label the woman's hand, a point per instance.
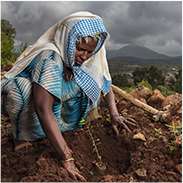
(69, 165)
(118, 120)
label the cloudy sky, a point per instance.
(156, 25)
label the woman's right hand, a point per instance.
(73, 171)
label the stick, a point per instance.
(157, 115)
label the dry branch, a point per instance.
(157, 115)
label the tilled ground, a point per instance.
(126, 159)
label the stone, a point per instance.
(139, 136)
(141, 172)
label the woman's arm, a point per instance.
(115, 116)
(43, 102)
(111, 103)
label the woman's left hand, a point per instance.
(118, 120)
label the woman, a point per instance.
(55, 83)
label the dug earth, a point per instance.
(154, 158)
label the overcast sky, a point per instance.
(156, 25)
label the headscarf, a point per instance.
(93, 75)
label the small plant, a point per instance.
(172, 148)
(145, 83)
(165, 90)
(158, 132)
(175, 130)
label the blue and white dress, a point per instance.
(70, 108)
(42, 63)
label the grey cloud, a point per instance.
(157, 25)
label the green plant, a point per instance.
(175, 129)
(158, 132)
(152, 74)
(165, 90)
(177, 86)
(172, 147)
(121, 80)
(145, 83)
(7, 42)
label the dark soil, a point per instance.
(123, 156)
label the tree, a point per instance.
(152, 74)
(121, 80)
(7, 42)
(155, 76)
(140, 74)
(178, 84)
(7, 28)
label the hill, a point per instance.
(134, 54)
(131, 56)
(137, 52)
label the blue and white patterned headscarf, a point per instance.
(83, 28)
(93, 75)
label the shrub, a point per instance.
(165, 90)
(145, 83)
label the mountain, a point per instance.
(137, 52)
(134, 54)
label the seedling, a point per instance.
(158, 132)
(175, 129)
(172, 147)
(99, 165)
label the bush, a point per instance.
(7, 43)
(121, 80)
(151, 74)
(145, 83)
(178, 84)
(165, 90)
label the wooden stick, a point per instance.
(157, 115)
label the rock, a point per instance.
(173, 107)
(172, 99)
(179, 168)
(178, 140)
(143, 100)
(131, 179)
(156, 99)
(108, 178)
(139, 136)
(141, 93)
(141, 172)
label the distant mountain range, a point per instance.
(134, 54)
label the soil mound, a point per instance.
(158, 158)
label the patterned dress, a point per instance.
(46, 69)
